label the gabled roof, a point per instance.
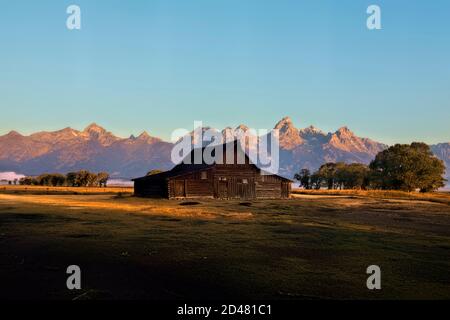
(178, 170)
(186, 168)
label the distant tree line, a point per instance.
(82, 178)
(400, 167)
(335, 176)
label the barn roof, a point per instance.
(183, 168)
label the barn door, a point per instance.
(223, 189)
(179, 190)
(245, 189)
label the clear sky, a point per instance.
(158, 65)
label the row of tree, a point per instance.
(335, 176)
(82, 178)
(400, 167)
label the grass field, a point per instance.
(18, 189)
(440, 197)
(309, 247)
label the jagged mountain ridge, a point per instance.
(442, 151)
(310, 147)
(94, 149)
(97, 149)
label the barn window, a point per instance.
(203, 175)
(244, 181)
(222, 179)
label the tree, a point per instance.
(51, 179)
(352, 176)
(27, 181)
(102, 179)
(316, 181)
(91, 179)
(57, 180)
(327, 173)
(82, 178)
(43, 180)
(304, 177)
(407, 167)
(71, 179)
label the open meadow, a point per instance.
(313, 246)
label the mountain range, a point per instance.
(97, 149)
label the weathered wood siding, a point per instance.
(243, 182)
(271, 187)
(235, 181)
(229, 182)
(285, 189)
(232, 187)
(192, 185)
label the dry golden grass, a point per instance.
(439, 197)
(123, 204)
(64, 190)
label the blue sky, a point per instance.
(160, 65)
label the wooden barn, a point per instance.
(229, 180)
